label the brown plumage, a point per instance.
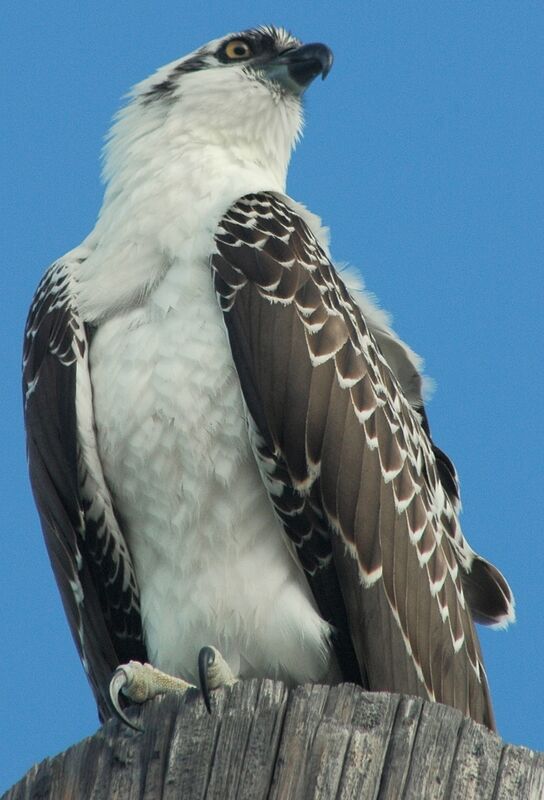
(368, 500)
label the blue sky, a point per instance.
(423, 154)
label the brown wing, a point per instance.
(88, 554)
(347, 463)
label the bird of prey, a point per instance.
(227, 442)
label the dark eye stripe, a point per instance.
(168, 86)
(262, 42)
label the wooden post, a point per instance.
(265, 741)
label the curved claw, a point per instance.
(206, 658)
(118, 682)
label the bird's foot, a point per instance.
(140, 682)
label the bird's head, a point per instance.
(242, 93)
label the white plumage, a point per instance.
(173, 443)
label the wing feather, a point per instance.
(368, 516)
(88, 554)
(368, 500)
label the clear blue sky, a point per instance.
(423, 153)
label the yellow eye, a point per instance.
(238, 49)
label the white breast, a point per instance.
(209, 554)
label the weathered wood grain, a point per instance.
(475, 764)
(520, 774)
(265, 741)
(400, 746)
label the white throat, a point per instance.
(172, 170)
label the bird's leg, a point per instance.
(140, 682)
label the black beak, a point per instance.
(295, 69)
(307, 62)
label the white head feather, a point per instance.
(194, 137)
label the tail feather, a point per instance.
(488, 594)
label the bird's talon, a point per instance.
(118, 683)
(206, 658)
(213, 672)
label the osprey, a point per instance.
(227, 441)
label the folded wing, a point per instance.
(363, 494)
(88, 553)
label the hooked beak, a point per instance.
(296, 69)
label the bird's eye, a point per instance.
(238, 49)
